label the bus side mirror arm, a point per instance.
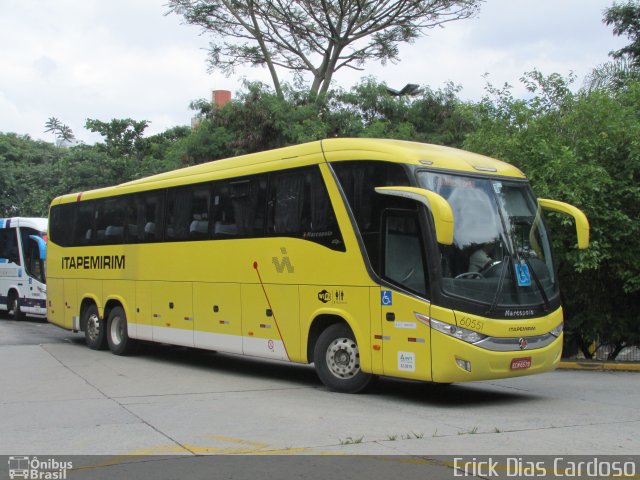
(439, 207)
(42, 246)
(582, 224)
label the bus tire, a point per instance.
(337, 360)
(14, 307)
(94, 329)
(117, 334)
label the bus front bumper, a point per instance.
(454, 360)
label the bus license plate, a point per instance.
(520, 363)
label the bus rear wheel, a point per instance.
(337, 360)
(94, 331)
(117, 334)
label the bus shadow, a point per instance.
(452, 395)
(421, 393)
(248, 367)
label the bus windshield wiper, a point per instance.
(533, 274)
(503, 273)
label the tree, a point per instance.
(63, 132)
(581, 148)
(625, 66)
(612, 75)
(122, 137)
(318, 37)
(625, 19)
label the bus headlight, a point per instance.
(557, 331)
(457, 332)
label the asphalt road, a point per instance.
(57, 397)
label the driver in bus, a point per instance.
(480, 259)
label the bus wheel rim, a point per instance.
(93, 327)
(343, 358)
(117, 328)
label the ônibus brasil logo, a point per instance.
(36, 469)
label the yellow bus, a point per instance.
(364, 257)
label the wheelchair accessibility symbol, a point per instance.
(385, 298)
(523, 275)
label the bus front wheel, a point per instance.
(337, 360)
(117, 334)
(14, 307)
(94, 331)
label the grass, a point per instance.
(351, 440)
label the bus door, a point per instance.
(172, 307)
(404, 316)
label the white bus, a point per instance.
(23, 248)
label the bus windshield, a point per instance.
(34, 248)
(501, 253)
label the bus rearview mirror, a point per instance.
(582, 224)
(42, 246)
(439, 207)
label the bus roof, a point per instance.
(39, 224)
(331, 150)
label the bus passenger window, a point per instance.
(61, 224)
(239, 207)
(110, 221)
(199, 226)
(299, 206)
(9, 245)
(148, 218)
(178, 214)
(84, 228)
(287, 202)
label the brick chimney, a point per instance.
(220, 97)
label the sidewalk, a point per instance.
(599, 365)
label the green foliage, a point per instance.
(625, 67)
(583, 149)
(625, 18)
(260, 119)
(122, 137)
(25, 179)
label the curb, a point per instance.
(599, 366)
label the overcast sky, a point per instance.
(104, 59)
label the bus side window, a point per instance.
(287, 202)
(9, 246)
(179, 202)
(61, 224)
(84, 232)
(148, 216)
(358, 180)
(299, 206)
(188, 213)
(403, 251)
(111, 221)
(224, 223)
(199, 224)
(239, 207)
